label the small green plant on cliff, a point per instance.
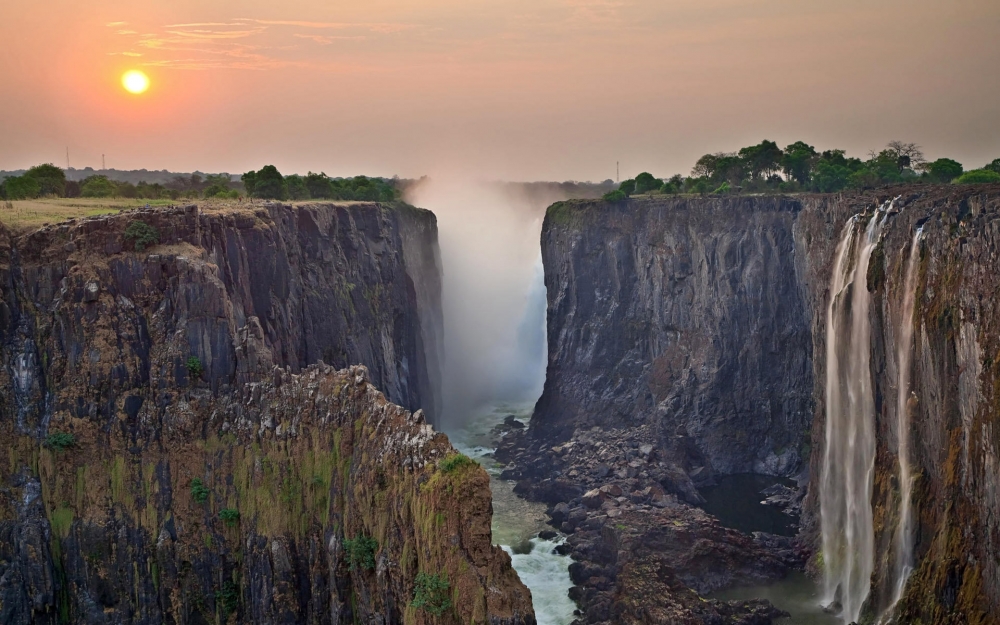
(431, 593)
(199, 492)
(194, 367)
(230, 516)
(455, 462)
(228, 598)
(141, 235)
(60, 441)
(360, 552)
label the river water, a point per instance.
(517, 522)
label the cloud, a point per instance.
(325, 40)
(113, 24)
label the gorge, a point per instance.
(241, 422)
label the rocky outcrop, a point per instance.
(176, 450)
(698, 326)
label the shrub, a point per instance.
(141, 234)
(60, 441)
(431, 593)
(228, 598)
(978, 176)
(230, 516)
(944, 169)
(194, 367)
(21, 188)
(361, 552)
(614, 196)
(723, 188)
(199, 492)
(627, 187)
(455, 462)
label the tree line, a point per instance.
(47, 180)
(268, 183)
(799, 167)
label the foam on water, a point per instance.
(517, 522)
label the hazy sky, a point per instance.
(519, 89)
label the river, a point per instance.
(517, 522)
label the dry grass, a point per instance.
(27, 214)
(23, 215)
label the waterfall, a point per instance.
(849, 457)
(904, 355)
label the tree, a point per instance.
(944, 169)
(296, 187)
(645, 182)
(319, 186)
(994, 166)
(21, 188)
(762, 160)
(908, 155)
(98, 186)
(797, 161)
(829, 177)
(267, 183)
(706, 165)
(51, 179)
(627, 187)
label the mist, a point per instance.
(493, 291)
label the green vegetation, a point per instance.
(615, 196)
(455, 462)
(228, 598)
(766, 168)
(60, 441)
(431, 593)
(194, 367)
(230, 516)
(141, 235)
(978, 176)
(199, 492)
(268, 183)
(360, 552)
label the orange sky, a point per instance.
(521, 89)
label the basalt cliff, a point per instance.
(688, 340)
(225, 425)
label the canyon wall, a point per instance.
(179, 449)
(699, 327)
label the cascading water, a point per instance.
(904, 355)
(849, 458)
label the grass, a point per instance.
(455, 462)
(29, 214)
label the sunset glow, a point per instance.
(135, 81)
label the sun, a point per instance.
(135, 81)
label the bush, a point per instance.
(723, 188)
(614, 196)
(431, 593)
(230, 516)
(228, 598)
(141, 234)
(627, 187)
(978, 176)
(455, 462)
(60, 441)
(194, 367)
(199, 492)
(361, 552)
(268, 183)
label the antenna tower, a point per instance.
(67, 157)
(103, 166)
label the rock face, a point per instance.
(687, 315)
(700, 324)
(175, 450)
